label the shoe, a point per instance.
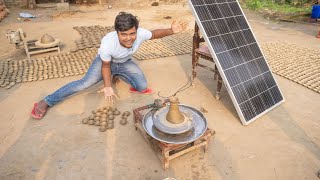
(33, 112)
(147, 91)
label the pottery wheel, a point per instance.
(198, 129)
(161, 123)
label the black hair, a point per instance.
(125, 21)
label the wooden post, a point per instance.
(31, 4)
(195, 45)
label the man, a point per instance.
(113, 59)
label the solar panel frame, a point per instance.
(242, 24)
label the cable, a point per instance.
(184, 87)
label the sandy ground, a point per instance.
(283, 144)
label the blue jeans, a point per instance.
(129, 71)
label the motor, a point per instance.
(14, 37)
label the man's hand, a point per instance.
(108, 94)
(177, 27)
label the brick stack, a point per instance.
(3, 10)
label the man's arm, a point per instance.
(159, 33)
(175, 28)
(106, 73)
(106, 76)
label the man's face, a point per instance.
(128, 37)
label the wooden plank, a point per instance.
(187, 150)
(33, 51)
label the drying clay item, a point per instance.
(94, 112)
(97, 123)
(91, 117)
(104, 111)
(127, 113)
(63, 65)
(111, 117)
(117, 113)
(123, 121)
(110, 126)
(110, 122)
(124, 117)
(85, 121)
(103, 123)
(96, 119)
(98, 114)
(104, 119)
(102, 128)
(110, 112)
(91, 122)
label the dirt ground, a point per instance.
(283, 144)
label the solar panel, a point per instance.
(238, 57)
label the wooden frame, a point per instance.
(204, 53)
(31, 48)
(167, 151)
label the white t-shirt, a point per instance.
(111, 49)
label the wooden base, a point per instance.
(167, 151)
(31, 48)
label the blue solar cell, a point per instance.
(225, 60)
(239, 38)
(232, 76)
(214, 11)
(225, 10)
(228, 41)
(210, 29)
(240, 93)
(221, 26)
(250, 88)
(247, 110)
(236, 57)
(243, 72)
(232, 24)
(204, 15)
(197, 2)
(218, 44)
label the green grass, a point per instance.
(277, 8)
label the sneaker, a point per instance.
(147, 91)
